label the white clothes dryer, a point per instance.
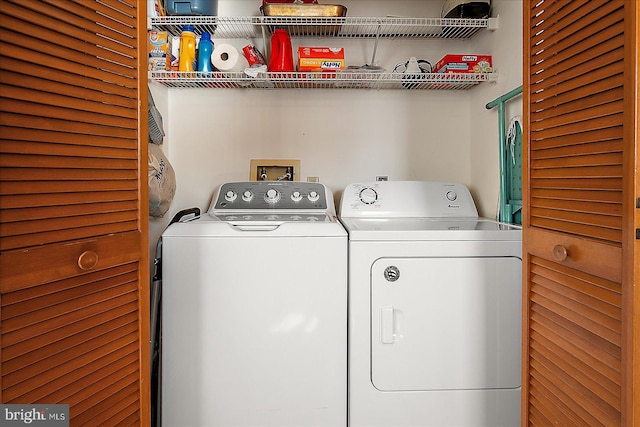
(434, 308)
(255, 311)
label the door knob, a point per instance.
(87, 260)
(560, 253)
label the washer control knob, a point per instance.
(230, 196)
(247, 196)
(272, 196)
(313, 196)
(368, 196)
(296, 196)
(452, 195)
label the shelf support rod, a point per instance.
(264, 40)
(375, 44)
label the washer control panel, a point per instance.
(419, 199)
(270, 195)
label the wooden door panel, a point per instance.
(44, 264)
(577, 103)
(71, 341)
(71, 80)
(582, 252)
(74, 304)
(575, 342)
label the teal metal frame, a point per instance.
(506, 207)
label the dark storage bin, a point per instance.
(192, 7)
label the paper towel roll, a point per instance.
(227, 58)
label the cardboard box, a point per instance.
(320, 58)
(159, 51)
(464, 64)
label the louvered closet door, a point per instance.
(73, 281)
(576, 106)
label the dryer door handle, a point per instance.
(386, 325)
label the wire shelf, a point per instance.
(332, 80)
(345, 27)
(348, 27)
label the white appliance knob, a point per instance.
(230, 196)
(272, 196)
(451, 195)
(313, 196)
(296, 196)
(368, 196)
(247, 196)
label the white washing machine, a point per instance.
(434, 308)
(255, 311)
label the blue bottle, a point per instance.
(205, 48)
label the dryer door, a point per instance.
(445, 323)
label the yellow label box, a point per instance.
(320, 58)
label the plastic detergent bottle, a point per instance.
(281, 53)
(205, 48)
(187, 49)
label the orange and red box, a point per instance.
(464, 64)
(159, 51)
(320, 59)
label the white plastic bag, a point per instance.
(162, 182)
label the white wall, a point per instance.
(344, 136)
(505, 45)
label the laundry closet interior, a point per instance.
(340, 132)
(344, 135)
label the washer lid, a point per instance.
(208, 226)
(412, 229)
